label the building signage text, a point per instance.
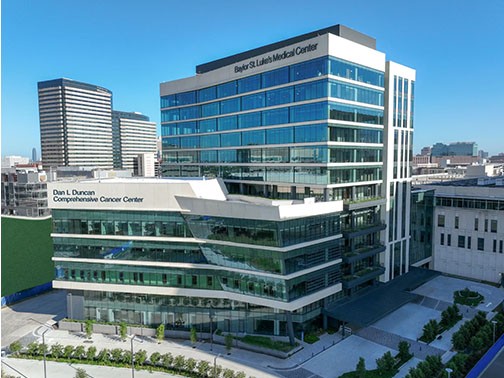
(75, 195)
(276, 57)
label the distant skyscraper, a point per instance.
(34, 154)
(426, 151)
(75, 124)
(455, 149)
(133, 135)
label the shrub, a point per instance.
(140, 357)
(155, 358)
(79, 352)
(123, 331)
(167, 360)
(68, 352)
(117, 354)
(33, 349)
(15, 347)
(190, 364)
(91, 353)
(311, 338)
(203, 368)
(179, 362)
(103, 356)
(80, 373)
(194, 336)
(160, 333)
(56, 350)
(361, 368)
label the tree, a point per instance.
(430, 330)
(240, 374)
(33, 349)
(194, 337)
(190, 364)
(68, 351)
(91, 353)
(88, 328)
(103, 356)
(43, 349)
(123, 331)
(361, 368)
(228, 340)
(141, 357)
(160, 333)
(15, 347)
(228, 373)
(404, 353)
(80, 373)
(167, 360)
(79, 352)
(385, 363)
(179, 362)
(203, 368)
(56, 350)
(116, 354)
(155, 358)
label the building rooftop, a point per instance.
(339, 30)
(487, 182)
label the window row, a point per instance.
(300, 113)
(296, 175)
(470, 203)
(466, 242)
(493, 223)
(300, 71)
(312, 154)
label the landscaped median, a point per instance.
(122, 358)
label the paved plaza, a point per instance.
(330, 357)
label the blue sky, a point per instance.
(130, 46)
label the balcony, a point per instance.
(362, 276)
(362, 253)
(364, 229)
(366, 202)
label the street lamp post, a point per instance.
(45, 351)
(449, 371)
(210, 315)
(133, 337)
(494, 322)
(215, 365)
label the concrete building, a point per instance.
(468, 229)
(321, 115)
(12, 161)
(24, 192)
(133, 135)
(187, 254)
(146, 165)
(75, 124)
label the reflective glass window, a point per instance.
(170, 115)
(355, 93)
(280, 96)
(208, 156)
(275, 77)
(355, 72)
(249, 120)
(186, 98)
(248, 84)
(275, 116)
(310, 133)
(189, 142)
(188, 157)
(208, 125)
(251, 138)
(230, 106)
(189, 112)
(312, 154)
(310, 175)
(171, 143)
(282, 174)
(276, 155)
(253, 101)
(187, 127)
(280, 136)
(227, 123)
(230, 139)
(226, 89)
(309, 91)
(207, 94)
(308, 112)
(355, 114)
(227, 156)
(309, 69)
(252, 155)
(210, 109)
(167, 101)
(210, 141)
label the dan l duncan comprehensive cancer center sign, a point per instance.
(75, 195)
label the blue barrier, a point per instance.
(20, 295)
(486, 359)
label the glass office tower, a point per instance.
(312, 116)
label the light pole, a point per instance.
(449, 371)
(494, 322)
(132, 337)
(43, 344)
(215, 365)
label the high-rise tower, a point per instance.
(75, 124)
